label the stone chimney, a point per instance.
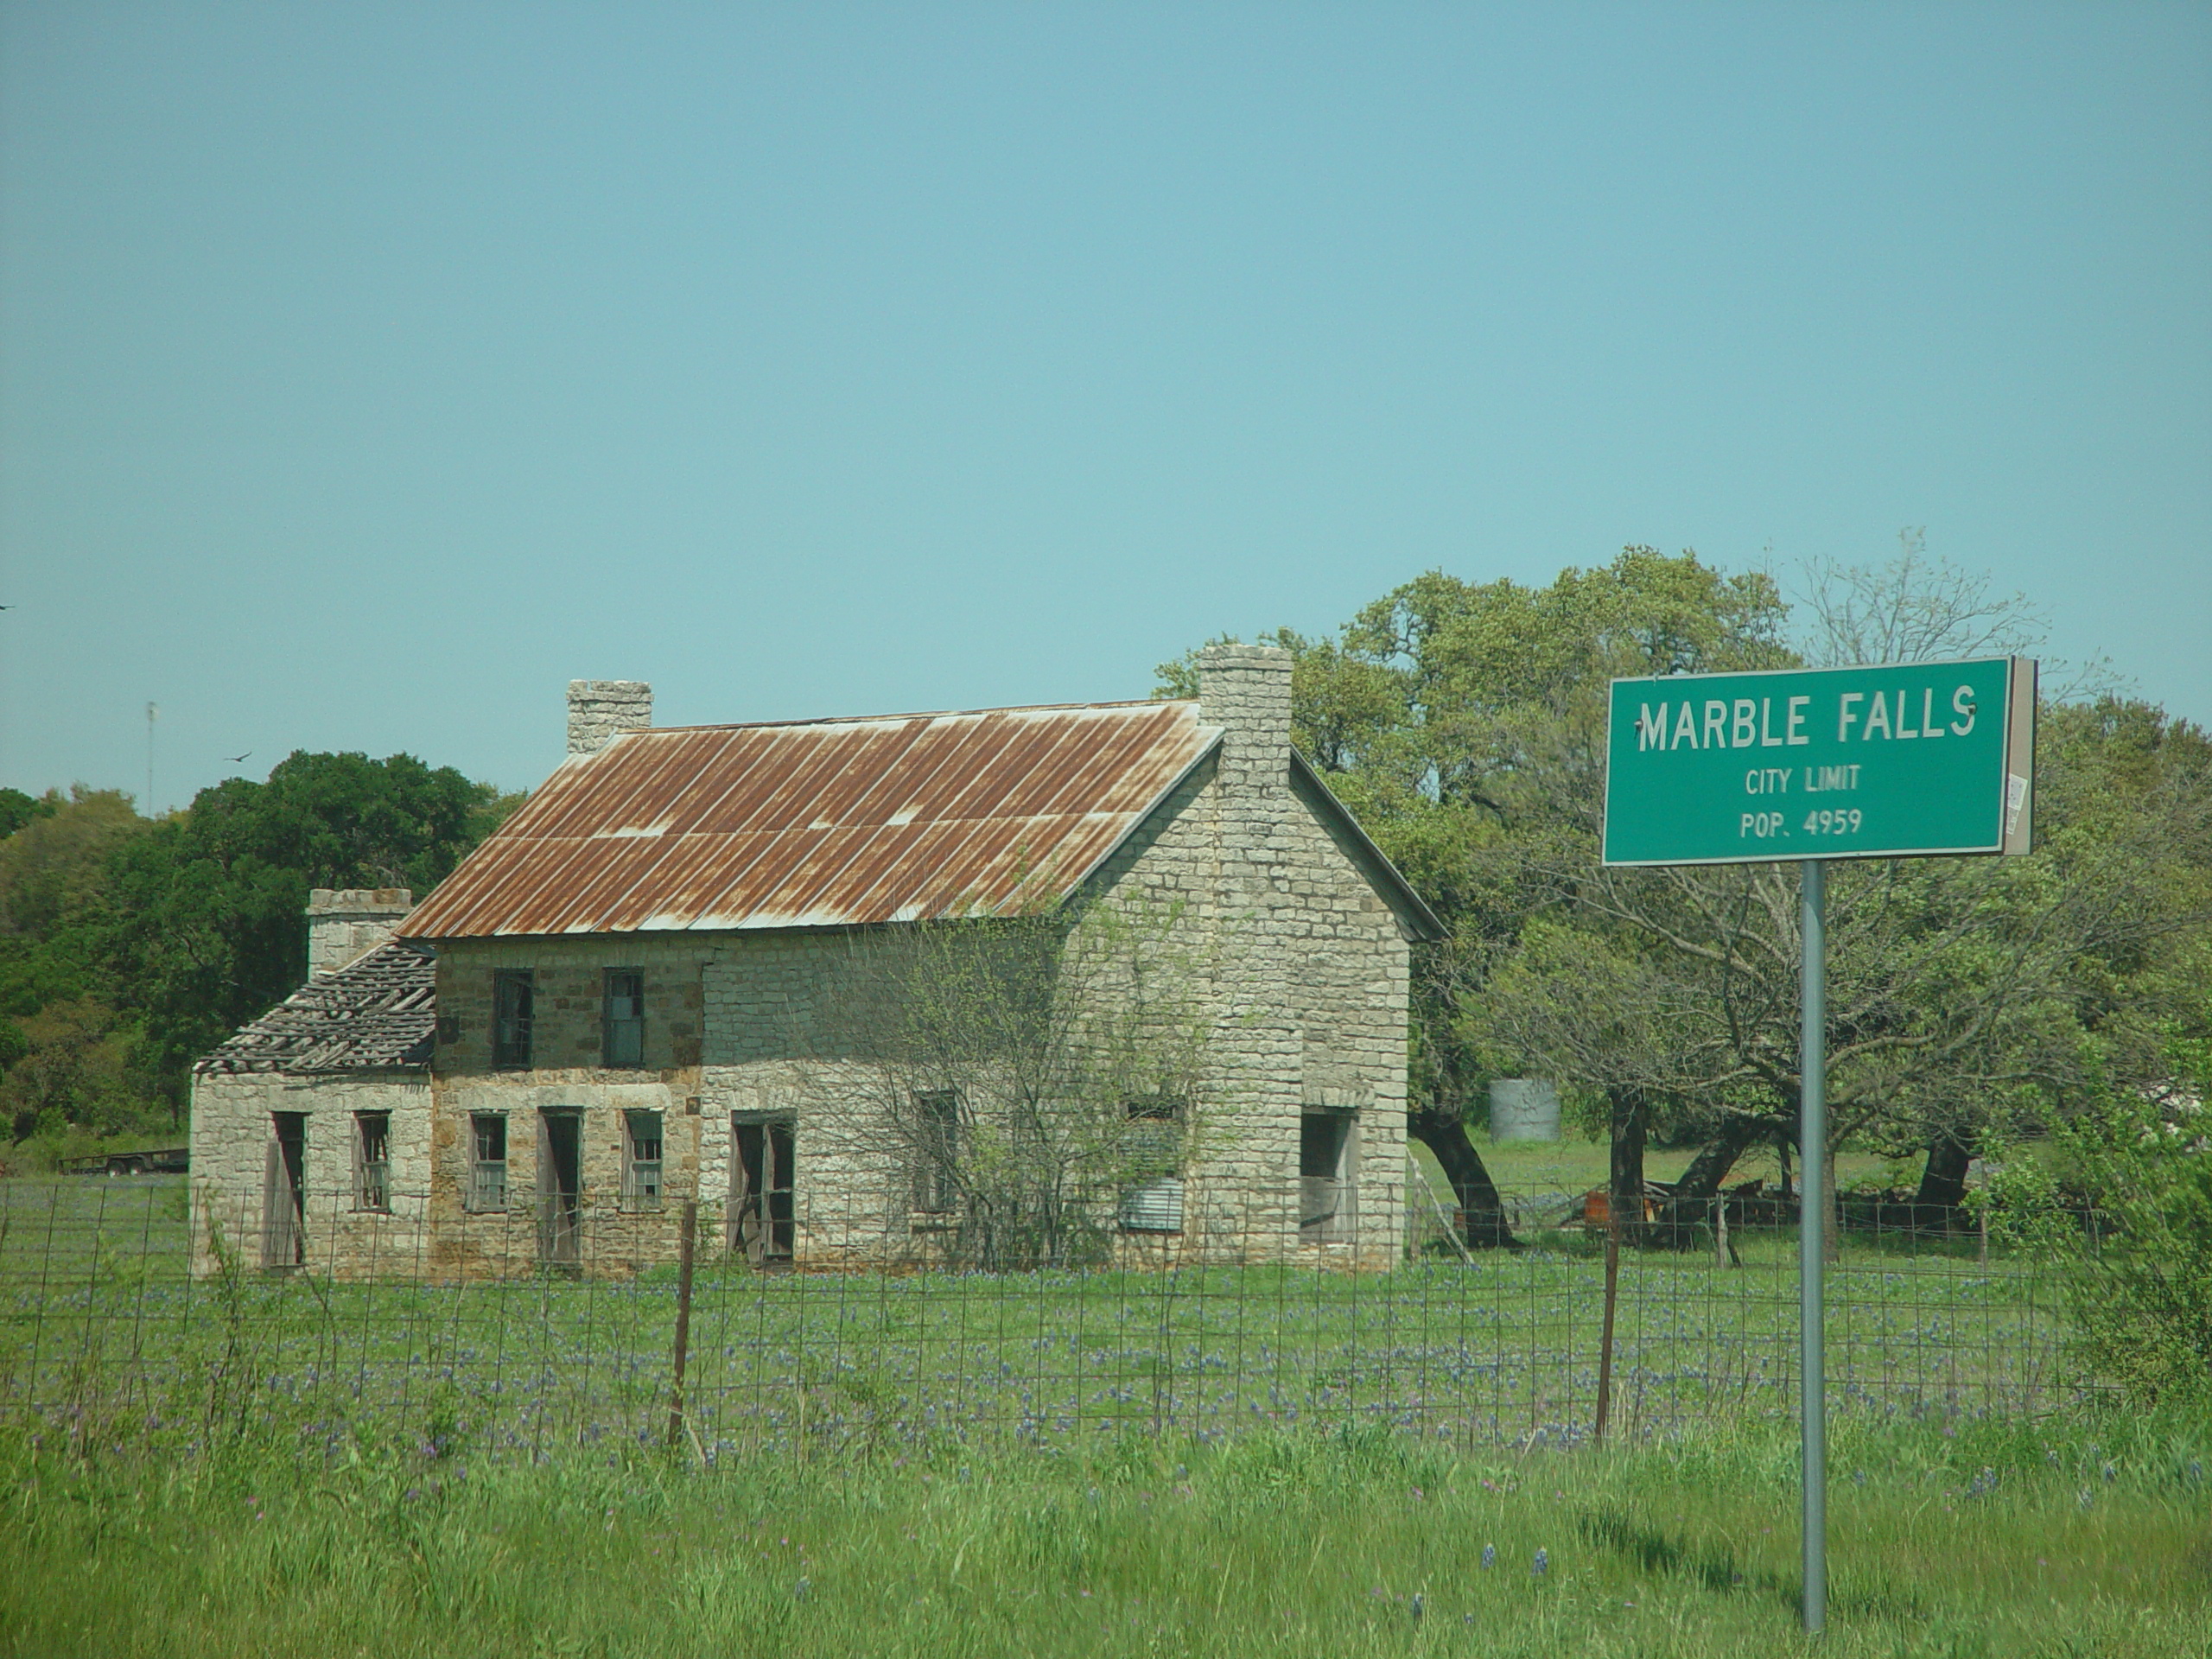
(1245, 689)
(600, 708)
(345, 924)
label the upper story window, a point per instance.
(513, 1002)
(623, 1023)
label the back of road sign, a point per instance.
(1916, 758)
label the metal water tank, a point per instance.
(1523, 1109)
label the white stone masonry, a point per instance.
(345, 924)
(599, 710)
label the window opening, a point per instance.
(936, 1185)
(1153, 1203)
(488, 1161)
(624, 1020)
(560, 1187)
(283, 1201)
(760, 1194)
(513, 1004)
(641, 1166)
(1323, 1138)
(372, 1155)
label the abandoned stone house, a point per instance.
(592, 1020)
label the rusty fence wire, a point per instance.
(106, 1329)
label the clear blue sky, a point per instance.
(366, 371)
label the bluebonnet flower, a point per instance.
(1543, 1563)
(1490, 1556)
(1420, 1606)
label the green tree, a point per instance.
(62, 1046)
(207, 926)
(1464, 724)
(17, 809)
(54, 869)
(2143, 1303)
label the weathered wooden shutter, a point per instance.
(280, 1210)
(733, 1220)
(276, 1211)
(549, 1192)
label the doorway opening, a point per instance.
(560, 1191)
(760, 1190)
(284, 1196)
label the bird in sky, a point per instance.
(235, 758)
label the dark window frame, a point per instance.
(1327, 1173)
(514, 1004)
(763, 1169)
(622, 1036)
(1153, 1203)
(937, 1184)
(643, 1178)
(372, 1162)
(489, 1192)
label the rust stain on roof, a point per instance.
(821, 823)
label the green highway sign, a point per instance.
(1917, 758)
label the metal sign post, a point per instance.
(1812, 1211)
(1812, 765)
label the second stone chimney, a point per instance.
(598, 709)
(1246, 690)
(345, 924)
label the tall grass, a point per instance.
(1980, 1537)
(99, 1323)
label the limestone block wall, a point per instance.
(568, 976)
(614, 1238)
(771, 1013)
(232, 1125)
(1313, 984)
(567, 1075)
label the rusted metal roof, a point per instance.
(821, 823)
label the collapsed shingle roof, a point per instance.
(376, 1012)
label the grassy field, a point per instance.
(1196, 1462)
(99, 1324)
(1977, 1539)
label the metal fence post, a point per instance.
(1812, 1207)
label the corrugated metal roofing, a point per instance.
(821, 823)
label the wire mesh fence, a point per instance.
(106, 1329)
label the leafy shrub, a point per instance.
(2142, 1306)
